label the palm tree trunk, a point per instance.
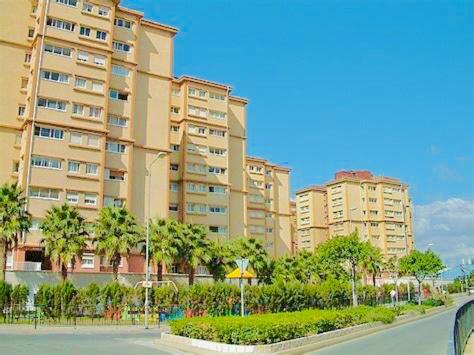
(63, 272)
(191, 276)
(353, 282)
(115, 267)
(159, 271)
(373, 279)
(3, 259)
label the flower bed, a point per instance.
(273, 328)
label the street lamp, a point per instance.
(147, 247)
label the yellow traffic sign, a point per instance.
(237, 275)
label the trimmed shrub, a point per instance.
(272, 328)
(5, 296)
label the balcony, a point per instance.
(27, 266)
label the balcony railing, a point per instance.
(27, 266)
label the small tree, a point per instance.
(116, 234)
(14, 220)
(348, 250)
(392, 266)
(164, 243)
(65, 231)
(253, 250)
(220, 260)
(193, 249)
(420, 265)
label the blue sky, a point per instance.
(380, 85)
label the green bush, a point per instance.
(272, 328)
(5, 296)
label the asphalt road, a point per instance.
(91, 341)
(427, 336)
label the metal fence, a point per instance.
(462, 328)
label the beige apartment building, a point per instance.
(379, 207)
(89, 100)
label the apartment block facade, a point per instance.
(89, 100)
(379, 207)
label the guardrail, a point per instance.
(462, 328)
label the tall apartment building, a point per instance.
(379, 207)
(268, 205)
(89, 100)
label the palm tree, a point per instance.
(116, 234)
(14, 219)
(220, 260)
(65, 232)
(193, 249)
(373, 262)
(164, 243)
(253, 250)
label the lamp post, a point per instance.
(147, 246)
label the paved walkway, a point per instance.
(469, 346)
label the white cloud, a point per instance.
(449, 226)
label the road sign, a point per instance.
(242, 264)
(236, 274)
(147, 284)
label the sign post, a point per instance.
(242, 264)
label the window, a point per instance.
(198, 149)
(217, 151)
(218, 229)
(65, 52)
(53, 76)
(35, 224)
(93, 140)
(44, 193)
(104, 11)
(197, 92)
(256, 214)
(215, 96)
(60, 24)
(256, 198)
(174, 110)
(72, 197)
(80, 83)
(216, 132)
(48, 163)
(99, 60)
(217, 209)
(86, 7)
(82, 56)
(122, 47)
(217, 115)
(197, 111)
(85, 31)
(196, 168)
(52, 104)
(174, 129)
(115, 147)
(120, 22)
(113, 202)
(217, 190)
(27, 57)
(217, 170)
(120, 71)
(174, 187)
(91, 169)
(174, 147)
(95, 112)
(117, 95)
(117, 121)
(50, 133)
(72, 3)
(31, 32)
(196, 188)
(255, 169)
(268, 186)
(78, 109)
(21, 110)
(197, 130)
(87, 261)
(73, 166)
(174, 167)
(24, 83)
(101, 35)
(97, 86)
(174, 207)
(115, 175)
(76, 138)
(198, 208)
(175, 92)
(90, 199)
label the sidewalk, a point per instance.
(469, 346)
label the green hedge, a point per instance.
(12, 299)
(273, 328)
